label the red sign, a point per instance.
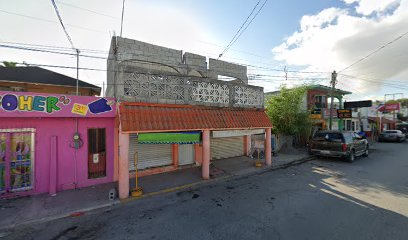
(392, 106)
(344, 113)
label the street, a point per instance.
(320, 199)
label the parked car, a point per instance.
(392, 136)
(345, 145)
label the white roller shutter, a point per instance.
(149, 155)
(227, 147)
(186, 154)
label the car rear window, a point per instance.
(328, 136)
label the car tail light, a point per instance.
(344, 147)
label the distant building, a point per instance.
(40, 80)
(317, 100)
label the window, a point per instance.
(353, 126)
(96, 152)
(328, 136)
(348, 137)
(320, 102)
(348, 125)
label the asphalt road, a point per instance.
(322, 199)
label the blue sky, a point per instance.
(316, 36)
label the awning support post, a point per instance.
(206, 155)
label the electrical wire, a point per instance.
(52, 50)
(235, 38)
(88, 10)
(243, 24)
(375, 51)
(51, 21)
(62, 24)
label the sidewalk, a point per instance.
(42, 208)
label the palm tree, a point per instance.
(8, 64)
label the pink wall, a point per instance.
(64, 128)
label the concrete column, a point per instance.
(268, 147)
(123, 166)
(175, 148)
(206, 155)
(247, 145)
(53, 166)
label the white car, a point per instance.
(392, 136)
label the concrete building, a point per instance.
(174, 112)
(317, 100)
(53, 142)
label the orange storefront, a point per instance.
(185, 131)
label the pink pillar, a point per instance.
(268, 147)
(123, 165)
(206, 155)
(247, 145)
(53, 166)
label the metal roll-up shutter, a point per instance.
(149, 155)
(186, 154)
(227, 147)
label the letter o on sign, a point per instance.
(9, 102)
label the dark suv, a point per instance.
(346, 145)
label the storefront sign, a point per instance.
(170, 138)
(344, 113)
(24, 104)
(236, 133)
(358, 104)
(315, 116)
(326, 113)
(392, 106)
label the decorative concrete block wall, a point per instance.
(143, 72)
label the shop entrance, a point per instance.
(16, 160)
(96, 153)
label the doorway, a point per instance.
(16, 160)
(96, 153)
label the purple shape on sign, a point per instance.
(99, 106)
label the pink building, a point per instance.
(51, 142)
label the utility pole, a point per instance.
(121, 21)
(77, 73)
(286, 73)
(333, 85)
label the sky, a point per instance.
(365, 41)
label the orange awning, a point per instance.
(143, 117)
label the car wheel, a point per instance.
(351, 157)
(365, 154)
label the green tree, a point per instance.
(287, 112)
(404, 102)
(8, 64)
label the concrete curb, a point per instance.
(59, 216)
(194, 185)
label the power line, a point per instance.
(392, 85)
(375, 51)
(49, 47)
(243, 24)
(51, 21)
(235, 38)
(62, 24)
(54, 51)
(88, 10)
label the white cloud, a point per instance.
(367, 7)
(335, 38)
